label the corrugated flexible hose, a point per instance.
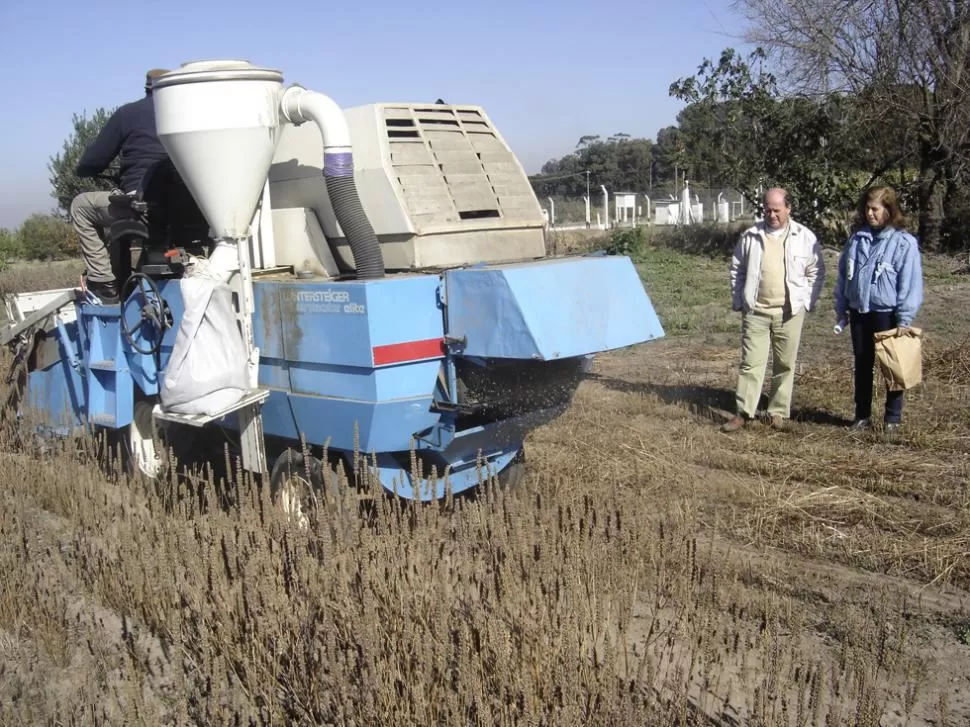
(338, 172)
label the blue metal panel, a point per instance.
(406, 380)
(110, 388)
(267, 321)
(550, 309)
(143, 370)
(322, 340)
(278, 419)
(404, 309)
(273, 374)
(325, 323)
(339, 322)
(393, 382)
(352, 382)
(56, 395)
(384, 426)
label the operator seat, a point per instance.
(160, 216)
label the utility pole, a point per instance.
(606, 208)
(587, 199)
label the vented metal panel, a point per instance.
(438, 183)
(451, 167)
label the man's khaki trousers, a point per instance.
(763, 331)
(92, 214)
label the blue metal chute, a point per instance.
(456, 476)
(549, 309)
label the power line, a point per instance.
(561, 176)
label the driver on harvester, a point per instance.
(130, 133)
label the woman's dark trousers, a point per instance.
(863, 326)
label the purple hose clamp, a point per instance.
(338, 164)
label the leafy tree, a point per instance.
(633, 164)
(66, 184)
(875, 49)
(739, 130)
(9, 247)
(619, 162)
(9, 244)
(46, 237)
(669, 154)
(724, 128)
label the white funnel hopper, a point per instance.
(220, 123)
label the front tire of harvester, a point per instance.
(295, 486)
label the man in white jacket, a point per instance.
(776, 276)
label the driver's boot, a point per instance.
(106, 291)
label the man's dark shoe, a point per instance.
(860, 425)
(734, 424)
(106, 292)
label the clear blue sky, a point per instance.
(546, 73)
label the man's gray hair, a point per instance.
(764, 197)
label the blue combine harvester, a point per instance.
(385, 278)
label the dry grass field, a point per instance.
(650, 570)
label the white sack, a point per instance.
(221, 263)
(207, 370)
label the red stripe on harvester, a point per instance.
(409, 351)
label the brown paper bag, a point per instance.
(900, 358)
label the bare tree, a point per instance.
(910, 59)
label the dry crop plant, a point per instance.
(24, 276)
(569, 601)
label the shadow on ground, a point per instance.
(711, 401)
(714, 402)
(819, 416)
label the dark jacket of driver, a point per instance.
(129, 134)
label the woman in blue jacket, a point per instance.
(879, 287)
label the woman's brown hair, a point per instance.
(885, 196)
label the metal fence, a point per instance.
(623, 208)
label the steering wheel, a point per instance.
(154, 309)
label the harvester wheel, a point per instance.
(295, 484)
(144, 442)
